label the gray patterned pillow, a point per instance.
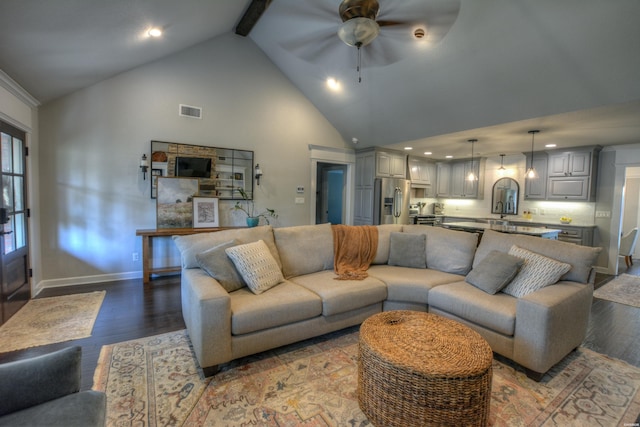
(537, 272)
(256, 265)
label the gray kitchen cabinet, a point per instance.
(536, 188)
(572, 174)
(452, 179)
(572, 163)
(390, 164)
(443, 180)
(372, 163)
(422, 173)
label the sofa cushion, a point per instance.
(193, 244)
(495, 271)
(537, 272)
(256, 265)
(384, 233)
(581, 258)
(304, 249)
(407, 250)
(339, 296)
(450, 251)
(285, 304)
(218, 265)
(410, 284)
(496, 312)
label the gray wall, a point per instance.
(93, 197)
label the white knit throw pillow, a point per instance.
(256, 265)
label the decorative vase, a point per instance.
(252, 221)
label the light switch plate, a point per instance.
(299, 200)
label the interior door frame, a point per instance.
(338, 156)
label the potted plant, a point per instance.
(248, 207)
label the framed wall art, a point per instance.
(205, 212)
(174, 202)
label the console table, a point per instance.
(147, 247)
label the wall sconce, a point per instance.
(144, 165)
(258, 173)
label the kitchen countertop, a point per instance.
(521, 221)
(512, 229)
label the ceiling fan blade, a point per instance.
(314, 47)
(307, 10)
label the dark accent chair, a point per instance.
(44, 391)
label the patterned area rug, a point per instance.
(624, 289)
(154, 381)
(50, 320)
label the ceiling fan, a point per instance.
(386, 31)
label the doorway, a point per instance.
(630, 208)
(14, 249)
(330, 193)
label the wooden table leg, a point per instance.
(146, 259)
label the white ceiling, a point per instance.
(570, 68)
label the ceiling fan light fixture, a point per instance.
(358, 32)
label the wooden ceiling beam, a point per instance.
(251, 16)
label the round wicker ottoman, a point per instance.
(419, 369)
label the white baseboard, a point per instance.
(85, 280)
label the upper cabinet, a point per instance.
(452, 179)
(390, 164)
(536, 188)
(563, 175)
(422, 173)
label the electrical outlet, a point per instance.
(300, 189)
(135, 256)
(541, 211)
(534, 211)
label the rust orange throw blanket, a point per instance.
(354, 248)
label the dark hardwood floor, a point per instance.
(132, 310)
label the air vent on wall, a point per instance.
(190, 111)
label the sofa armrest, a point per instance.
(206, 309)
(550, 323)
(30, 382)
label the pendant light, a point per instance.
(472, 176)
(531, 172)
(501, 170)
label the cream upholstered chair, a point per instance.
(628, 246)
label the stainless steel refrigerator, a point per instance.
(391, 201)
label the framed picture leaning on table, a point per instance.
(205, 212)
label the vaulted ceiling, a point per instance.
(570, 68)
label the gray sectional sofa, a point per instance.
(536, 330)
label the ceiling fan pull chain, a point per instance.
(358, 67)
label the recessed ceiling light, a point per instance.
(354, 140)
(550, 145)
(419, 33)
(428, 153)
(333, 84)
(448, 157)
(154, 32)
(408, 148)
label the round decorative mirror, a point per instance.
(504, 200)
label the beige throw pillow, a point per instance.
(256, 265)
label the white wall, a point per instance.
(92, 141)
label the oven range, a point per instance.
(429, 219)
